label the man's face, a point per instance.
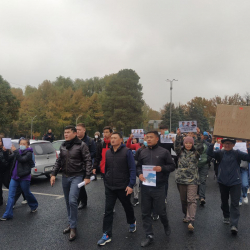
(80, 132)
(49, 130)
(152, 139)
(188, 146)
(228, 145)
(183, 123)
(163, 131)
(107, 134)
(188, 123)
(24, 143)
(69, 134)
(116, 140)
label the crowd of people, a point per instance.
(122, 167)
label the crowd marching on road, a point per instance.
(136, 166)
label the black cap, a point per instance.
(228, 139)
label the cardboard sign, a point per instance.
(188, 126)
(137, 133)
(232, 121)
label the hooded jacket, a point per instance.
(187, 172)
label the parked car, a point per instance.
(45, 157)
(56, 145)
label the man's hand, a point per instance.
(13, 148)
(141, 177)
(87, 181)
(157, 168)
(4, 149)
(131, 136)
(173, 139)
(129, 190)
(94, 171)
(198, 130)
(52, 180)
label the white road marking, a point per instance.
(52, 195)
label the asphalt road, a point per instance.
(43, 230)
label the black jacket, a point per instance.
(91, 144)
(120, 170)
(3, 160)
(156, 156)
(75, 161)
(51, 138)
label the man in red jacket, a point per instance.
(102, 149)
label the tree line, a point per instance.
(115, 100)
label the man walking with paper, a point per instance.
(75, 162)
(119, 180)
(154, 196)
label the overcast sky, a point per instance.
(205, 44)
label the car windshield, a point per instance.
(42, 148)
(57, 145)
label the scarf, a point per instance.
(69, 144)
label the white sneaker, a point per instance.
(24, 202)
(240, 203)
(245, 200)
(248, 191)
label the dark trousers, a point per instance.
(203, 171)
(234, 212)
(83, 198)
(166, 185)
(155, 196)
(1, 188)
(111, 196)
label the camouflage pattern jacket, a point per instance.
(187, 172)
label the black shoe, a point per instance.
(95, 178)
(149, 240)
(82, 205)
(234, 230)
(167, 230)
(202, 202)
(72, 235)
(66, 230)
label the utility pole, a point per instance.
(171, 87)
(31, 137)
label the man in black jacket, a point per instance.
(120, 176)
(49, 136)
(75, 162)
(82, 135)
(154, 196)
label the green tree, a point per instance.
(122, 101)
(9, 106)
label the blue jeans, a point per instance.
(71, 193)
(244, 184)
(25, 186)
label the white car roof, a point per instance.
(31, 141)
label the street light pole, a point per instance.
(78, 118)
(170, 111)
(32, 126)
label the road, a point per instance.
(43, 230)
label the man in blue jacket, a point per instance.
(229, 179)
(119, 180)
